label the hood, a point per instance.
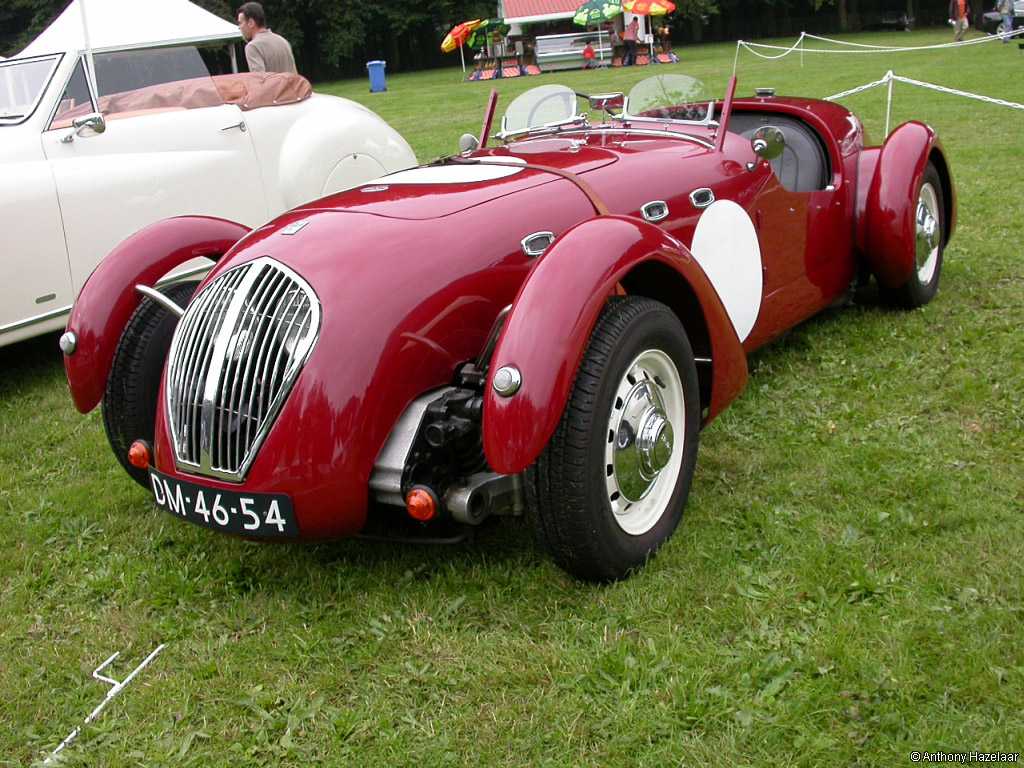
(435, 191)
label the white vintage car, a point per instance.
(90, 155)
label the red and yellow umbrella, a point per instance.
(648, 7)
(458, 35)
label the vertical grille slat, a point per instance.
(259, 362)
(280, 343)
(211, 313)
(193, 329)
(180, 368)
(222, 413)
(231, 412)
(234, 357)
(249, 317)
(261, 323)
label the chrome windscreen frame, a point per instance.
(708, 121)
(663, 133)
(218, 359)
(555, 126)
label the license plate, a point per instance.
(262, 515)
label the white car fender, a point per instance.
(362, 144)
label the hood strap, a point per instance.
(599, 207)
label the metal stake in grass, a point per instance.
(116, 688)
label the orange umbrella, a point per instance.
(458, 35)
(648, 7)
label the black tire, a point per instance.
(130, 399)
(917, 292)
(567, 489)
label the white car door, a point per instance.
(147, 165)
(35, 280)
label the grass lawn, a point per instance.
(846, 585)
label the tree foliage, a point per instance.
(334, 38)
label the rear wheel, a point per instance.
(929, 240)
(130, 399)
(611, 485)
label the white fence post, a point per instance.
(888, 103)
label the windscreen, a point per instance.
(21, 86)
(540, 106)
(670, 97)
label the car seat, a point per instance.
(803, 164)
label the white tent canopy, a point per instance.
(117, 25)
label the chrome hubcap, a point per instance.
(928, 233)
(643, 442)
(641, 457)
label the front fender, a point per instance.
(887, 229)
(554, 314)
(108, 297)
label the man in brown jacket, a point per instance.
(264, 50)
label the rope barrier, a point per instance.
(858, 89)
(745, 44)
(955, 92)
(885, 48)
(890, 78)
(858, 48)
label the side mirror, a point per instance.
(93, 120)
(768, 142)
(468, 142)
(607, 102)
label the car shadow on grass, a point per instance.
(496, 545)
(501, 549)
(28, 363)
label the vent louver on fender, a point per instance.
(236, 352)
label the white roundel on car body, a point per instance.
(725, 245)
(456, 173)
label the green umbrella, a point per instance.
(478, 37)
(596, 11)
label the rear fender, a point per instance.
(885, 226)
(554, 314)
(108, 297)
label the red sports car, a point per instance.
(541, 326)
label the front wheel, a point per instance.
(130, 399)
(929, 241)
(611, 485)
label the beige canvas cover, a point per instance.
(247, 90)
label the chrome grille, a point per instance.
(235, 354)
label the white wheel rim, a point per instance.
(647, 419)
(928, 233)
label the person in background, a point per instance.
(1005, 8)
(959, 13)
(614, 40)
(264, 50)
(629, 38)
(588, 56)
